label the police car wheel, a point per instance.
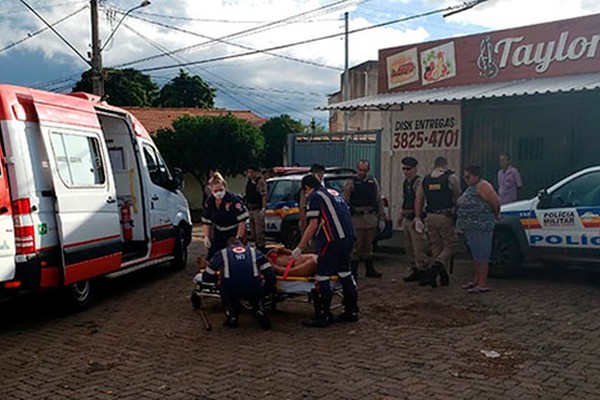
(78, 296)
(290, 235)
(180, 252)
(506, 258)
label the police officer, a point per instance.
(439, 191)
(362, 194)
(243, 269)
(415, 242)
(256, 202)
(330, 223)
(224, 216)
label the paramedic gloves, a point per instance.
(381, 225)
(207, 242)
(296, 253)
(419, 225)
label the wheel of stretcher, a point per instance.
(195, 299)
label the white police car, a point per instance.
(559, 226)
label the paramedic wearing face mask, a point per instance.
(224, 216)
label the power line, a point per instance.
(243, 33)
(47, 6)
(320, 38)
(225, 21)
(31, 35)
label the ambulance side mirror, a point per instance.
(177, 179)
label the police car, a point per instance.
(282, 213)
(559, 226)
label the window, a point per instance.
(583, 191)
(159, 173)
(288, 190)
(78, 159)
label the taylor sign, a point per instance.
(542, 54)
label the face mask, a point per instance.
(219, 195)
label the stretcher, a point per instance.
(299, 289)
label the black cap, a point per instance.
(410, 161)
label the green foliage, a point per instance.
(197, 143)
(275, 132)
(123, 87)
(187, 91)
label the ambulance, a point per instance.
(84, 192)
(561, 226)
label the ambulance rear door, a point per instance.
(7, 234)
(86, 201)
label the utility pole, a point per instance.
(346, 77)
(97, 78)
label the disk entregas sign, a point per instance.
(553, 49)
(426, 128)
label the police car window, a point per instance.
(583, 191)
(286, 190)
(78, 159)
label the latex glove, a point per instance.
(381, 225)
(419, 225)
(207, 242)
(296, 253)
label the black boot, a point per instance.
(231, 322)
(415, 276)
(354, 269)
(444, 277)
(350, 313)
(371, 272)
(431, 275)
(261, 316)
(323, 317)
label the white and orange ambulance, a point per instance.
(84, 192)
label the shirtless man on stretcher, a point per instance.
(280, 259)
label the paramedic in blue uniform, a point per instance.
(329, 221)
(245, 275)
(224, 216)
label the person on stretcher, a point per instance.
(281, 259)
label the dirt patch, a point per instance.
(491, 358)
(428, 314)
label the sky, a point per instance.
(292, 80)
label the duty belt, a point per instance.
(366, 212)
(444, 211)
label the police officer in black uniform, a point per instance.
(439, 191)
(364, 198)
(415, 240)
(245, 271)
(224, 216)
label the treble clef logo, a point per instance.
(485, 61)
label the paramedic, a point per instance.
(242, 270)
(439, 191)
(223, 216)
(318, 171)
(361, 192)
(256, 201)
(329, 221)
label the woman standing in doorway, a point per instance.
(478, 207)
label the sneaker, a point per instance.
(478, 289)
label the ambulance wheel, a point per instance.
(180, 252)
(78, 296)
(290, 235)
(506, 258)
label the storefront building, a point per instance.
(532, 92)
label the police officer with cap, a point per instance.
(330, 223)
(439, 191)
(415, 241)
(364, 198)
(244, 273)
(223, 216)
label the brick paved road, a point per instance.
(142, 340)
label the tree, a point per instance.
(123, 87)
(275, 132)
(197, 143)
(187, 91)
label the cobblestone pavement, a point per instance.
(142, 340)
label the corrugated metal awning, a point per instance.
(570, 83)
